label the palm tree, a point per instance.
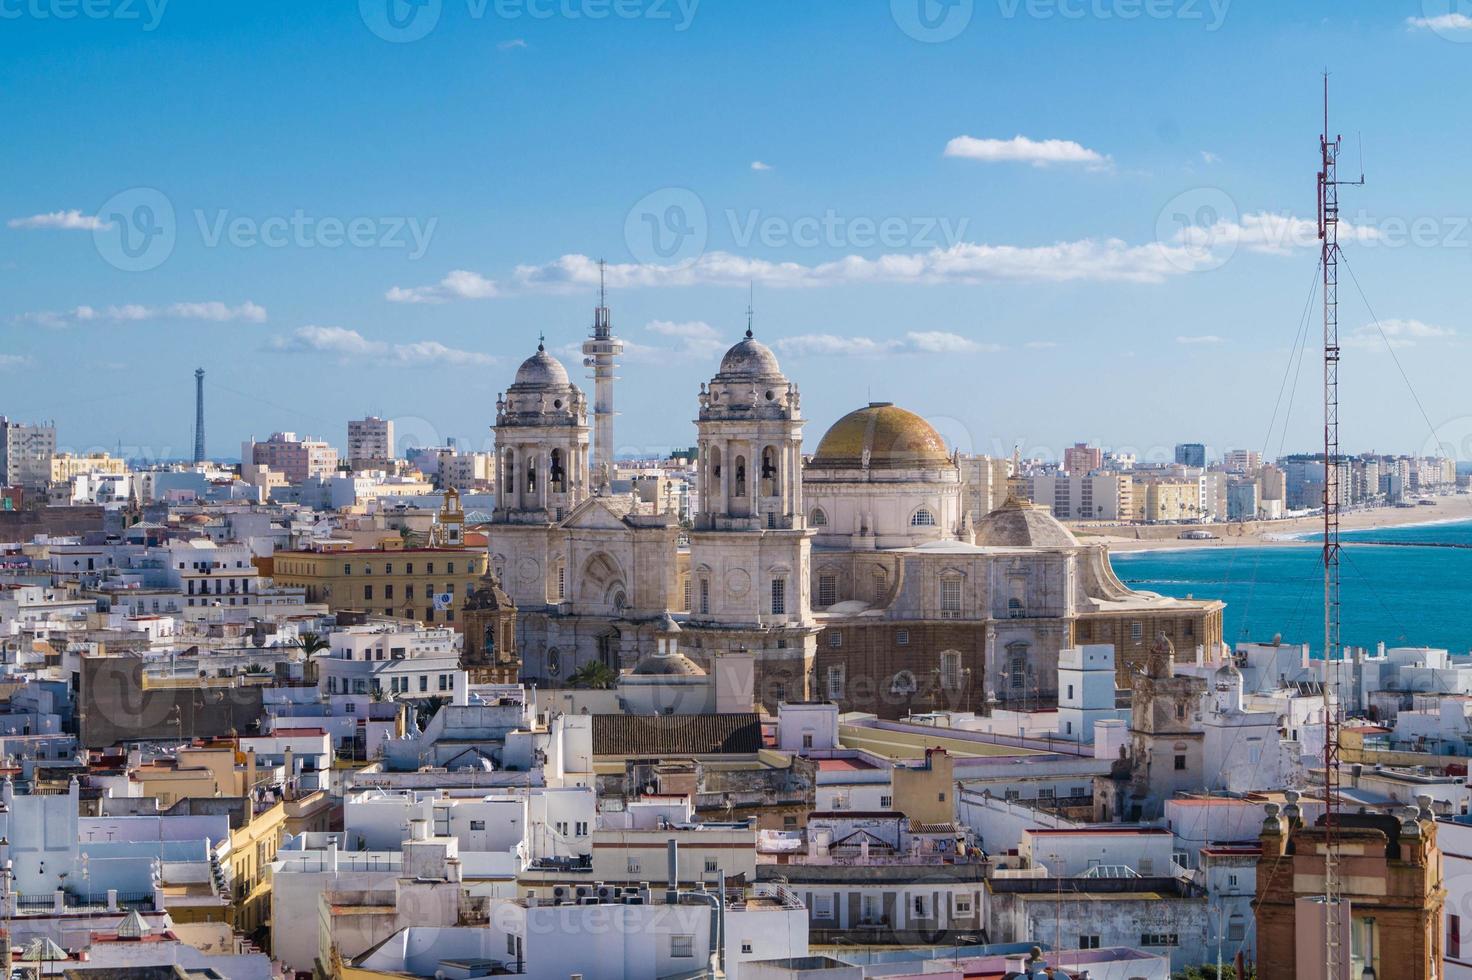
(595, 675)
(310, 643)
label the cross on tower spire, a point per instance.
(750, 307)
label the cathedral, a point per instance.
(853, 575)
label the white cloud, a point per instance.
(1397, 334)
(1444, 22)
(913, 342)
(514, 44)
(1206, 338)
(1091, 260)
(434, 352)
(212, 311)
(9, 361)
(1020, 149)
(1041, 344)
(459, 284)
(348, 344)
(1209, 157)
(58, 220)
(1267, 233)
(759, 166)
(330, 340)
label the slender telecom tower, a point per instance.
(1336, 956)
(199, 415)
(599, 351)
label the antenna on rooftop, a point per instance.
(1336, 962)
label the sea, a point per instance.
(1402, 596)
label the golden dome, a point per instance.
(881, 436)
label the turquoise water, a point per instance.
(1403, 596)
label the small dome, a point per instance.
(889, 437)
(1016, 524)
(668, 665)
(541, 369)
(750, 359)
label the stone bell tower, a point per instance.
(750, 548)
(490, 655)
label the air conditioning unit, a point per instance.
(607, 893)
(584, 891)
(559, 894)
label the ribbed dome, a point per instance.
(892, 438)
(541, 369)
(667, 665)
(1016, 524)
(750, 358)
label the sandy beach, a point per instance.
(1252, 534)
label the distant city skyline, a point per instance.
(936, 222)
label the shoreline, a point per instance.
(1290, 532)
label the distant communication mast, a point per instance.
(1336, 957)
(600, 350)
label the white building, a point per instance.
(25, 454)
(370, 443)
(1086, 693)
(398, 659)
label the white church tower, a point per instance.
(599, 351)
(750, 549)
(541, 444)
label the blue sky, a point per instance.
(1072, 220)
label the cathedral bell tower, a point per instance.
(750, 549)
(541, 444)
(489, 654)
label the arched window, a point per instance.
(903, 683)
(554, 662)
(818, 518)
(769, 472)
(555, 475)
(922, 518)
(880, 582)
(1014, 608)
(739, 489)
(531, 474)
(508, 479)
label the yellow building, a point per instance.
(65, 466)
(424, 584)
(253, 847)
(1157, 501)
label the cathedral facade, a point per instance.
(851, 575)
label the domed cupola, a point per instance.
(750, 428)
(541, 369)
(542, 394)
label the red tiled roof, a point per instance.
(845, 765)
